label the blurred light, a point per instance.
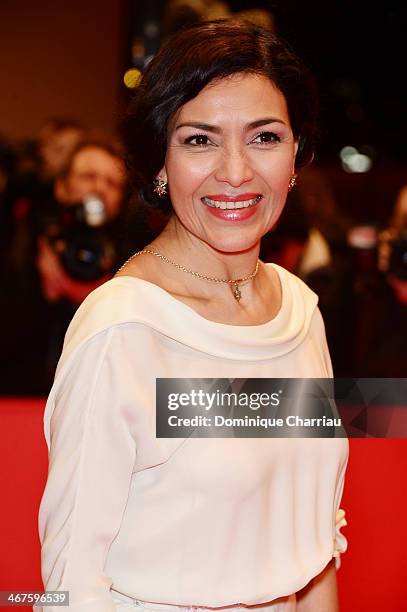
(353, 161)
(132, 78)
(362, 237)
(95, 212)
(138, 50)
(151, 29)
(347, 152)
(220, 10)
(358, 163)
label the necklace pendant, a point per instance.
(236, 292)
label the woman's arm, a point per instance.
(91, 460)
(321, 594)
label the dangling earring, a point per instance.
(292, 182)
(160, 187)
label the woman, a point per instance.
(223, 117)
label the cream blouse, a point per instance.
(192, 521)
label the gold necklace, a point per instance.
(237, 294)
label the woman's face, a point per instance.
(229, 160)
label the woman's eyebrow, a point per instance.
(200, 126)
(265, 121)
(207, 127)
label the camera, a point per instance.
(80, 237)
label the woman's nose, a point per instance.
(234, 168)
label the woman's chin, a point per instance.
(237, 245)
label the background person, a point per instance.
(27, 197)
(381, 328)
(95, 169)
(220, 522)
(31, 187)
(57, 140)
(42, 297)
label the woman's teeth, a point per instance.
(231, 205)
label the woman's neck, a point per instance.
(186, 249)
(260, 297)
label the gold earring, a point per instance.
(292, 182)
(160, 187)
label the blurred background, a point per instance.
(68, 219)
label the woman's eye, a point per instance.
(199, 140)
(266, 138)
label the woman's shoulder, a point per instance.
(117, 299)
(293, 286)
(300, 302)
(114, 300)
(120, 300)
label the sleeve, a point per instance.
(91, 461)
(325, 355)
(341, 543)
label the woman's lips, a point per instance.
(239, 214)
(232, 208)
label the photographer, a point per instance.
(381, 330)
(80, 235)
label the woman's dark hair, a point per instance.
(190, 60)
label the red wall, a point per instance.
(61, 59)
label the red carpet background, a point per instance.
(373, 576)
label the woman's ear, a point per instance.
(296, 145)
(162, 174)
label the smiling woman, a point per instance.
(230, 157)
(222, 121)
